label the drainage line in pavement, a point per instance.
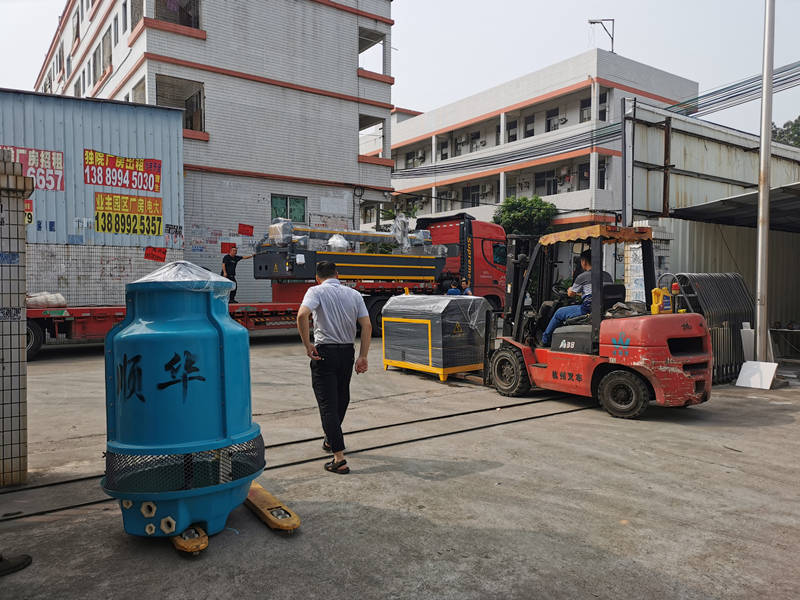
(309, 460)
(431, 437)
(316, 439)
(422, 420)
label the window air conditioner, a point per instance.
(486, 188)
(462, 139)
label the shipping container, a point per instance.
(108, 179)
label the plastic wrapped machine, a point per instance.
(434, 334)
(181, 446)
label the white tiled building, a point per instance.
(518, 138)
(273, 96)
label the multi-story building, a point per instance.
(529, 136)
(273, 96)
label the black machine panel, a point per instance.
(572, 338)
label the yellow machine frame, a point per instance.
(429, 368)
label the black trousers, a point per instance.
(232, 298)
(330, 378)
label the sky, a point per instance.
(444, 50)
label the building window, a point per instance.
(137, 12)
(97, 62)
(583, 176)
(83, 80)
(411, 160)
(471, 195)
(76, 26)
(69, 66)
(180, 12)
(185, 94)
(551, 122)
(511, 131)
(107, 49)
(545, 183)
(602, 105)
(127, 98)
(77, 89)
(586, 110)
(289, 207)
(474, 141)
(138, 93)
(601, 174)
(444, 150)
(124, 16)
(497, 136)
(529, 122)
(116, 30)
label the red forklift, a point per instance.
(624, 358)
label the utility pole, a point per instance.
(762, 254)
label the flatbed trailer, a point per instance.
(90, 324)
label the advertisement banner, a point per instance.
(45, 167)
(130, 215)
(28, 211)
(142, 174)
(156, 254)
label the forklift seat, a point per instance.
(612, 293)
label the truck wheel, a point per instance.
(508, 372)
(623, 394)
(375, 318)
(34, 339)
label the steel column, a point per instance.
(762, 258)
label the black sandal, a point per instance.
(336, 467)
(326, 446)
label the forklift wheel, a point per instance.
(623, 394)
(508, 371)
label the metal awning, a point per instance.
(742, 210)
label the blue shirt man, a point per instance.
(581, 286)
(454, 289)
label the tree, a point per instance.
(788, 134)
(527, 216)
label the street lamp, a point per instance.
(602, 23)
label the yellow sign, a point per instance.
(128, 215)
(457, 329)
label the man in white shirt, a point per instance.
(336, 309)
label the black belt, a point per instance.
(335, 346)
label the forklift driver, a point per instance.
(583, 286)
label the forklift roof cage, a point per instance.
(521, 267)
(611, 234)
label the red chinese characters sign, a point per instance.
(45, 167)
(245, 230)
(100, 168)
(156, 254)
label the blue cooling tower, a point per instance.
(182, 448)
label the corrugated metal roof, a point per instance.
(64, 207)
(742, 210)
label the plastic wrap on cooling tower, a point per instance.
(186, 275)
(400, 232)
(337, 243)
(280, 232)
(435, 331)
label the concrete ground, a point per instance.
(685, 503)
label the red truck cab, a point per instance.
(476, 251)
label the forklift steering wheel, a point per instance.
(559, 291)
